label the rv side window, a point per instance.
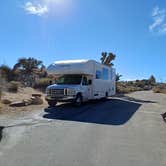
(105, 74)
(98, 74)
(111, 75)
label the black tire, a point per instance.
(106, 95)
(52, 103)
(78, 100)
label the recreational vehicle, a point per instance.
(79, 81)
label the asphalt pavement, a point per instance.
(123, 130)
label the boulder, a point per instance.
(17, 104)
(27, 102)
(37, 100)
(36, 95)
(6, 101)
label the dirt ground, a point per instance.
(22, 94)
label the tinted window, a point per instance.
(105, 74)
(111, 75)
(98, 74)
(84, 81)
(69, 79)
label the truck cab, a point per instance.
(70, 87)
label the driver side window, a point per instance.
(84, 81)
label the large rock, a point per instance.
(27, 102)
(18, 104)
(37, 100)
(6, 101)
(36, 95)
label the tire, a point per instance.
(52, 103)
(78, 100)
(106, 95)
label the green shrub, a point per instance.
(42, 83)
(13, 86)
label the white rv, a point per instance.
(80, 80)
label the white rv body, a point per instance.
(98, 80)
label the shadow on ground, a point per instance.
(109, 112)
(1, 129)
(134, 99)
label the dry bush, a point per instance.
(13, 86)
(42, 83)
(0, 99)
(0, 93)
(138, 85)
(124, 87)
(0, 106)
(161, 88)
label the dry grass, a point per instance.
(42, 83)
(123, 87)
(1, 106)
(0, 94)
(0, 99)
(161, 88)
(13, 86)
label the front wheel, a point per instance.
(78, 100)
(52, 103)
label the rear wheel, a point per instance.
(106, 95)
(78, 100)
(52, 103)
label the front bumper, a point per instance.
(61, 99)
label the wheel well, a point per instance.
(79, 93)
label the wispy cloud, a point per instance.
(159, 21)
(35, 9)
(47, 7)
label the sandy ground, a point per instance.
(23, 94)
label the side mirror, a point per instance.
(50, 82)
(89, 82)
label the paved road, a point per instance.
(126, 131)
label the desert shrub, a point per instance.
(0, 106)
(124, 87)
(13, 86)
(161, 88)
(7, 73)
(0, 93)
(42, 83)
(152, 80)
(141, 83)
(0, 99)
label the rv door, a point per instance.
(86, 88)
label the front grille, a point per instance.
(55, 92)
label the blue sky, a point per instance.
(50, 30)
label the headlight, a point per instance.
(70, 92)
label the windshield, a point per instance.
(69, 79)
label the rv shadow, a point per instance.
(110, 112)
